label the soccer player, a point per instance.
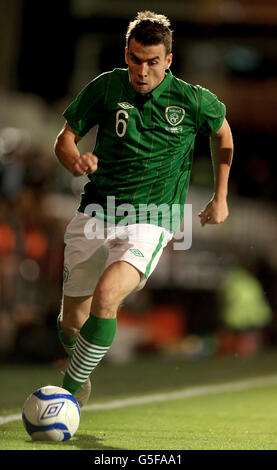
(147, 123)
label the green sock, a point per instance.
(95, 338)
(68, 344)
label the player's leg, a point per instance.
(98, 332)
(74, 313)
(84, 262)
(85, 258)
(124, 273)
(116, 283)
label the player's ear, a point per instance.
(169, 60)
(126, 55)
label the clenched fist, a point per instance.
(215, 212)
(85, 164)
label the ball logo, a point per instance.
(52, 410)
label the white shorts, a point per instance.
(91, 247)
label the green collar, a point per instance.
(161, 87)
(154, 93)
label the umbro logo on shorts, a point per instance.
(136, 252)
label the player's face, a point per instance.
(146, 65)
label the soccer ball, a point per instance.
(51, 414)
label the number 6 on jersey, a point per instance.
(121, 124)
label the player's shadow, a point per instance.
(87, 442)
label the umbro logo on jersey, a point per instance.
(137, 252)
(125, 105)
(174, 115)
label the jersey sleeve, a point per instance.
(211, 111)
(87, 109)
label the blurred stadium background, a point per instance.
(219, 297)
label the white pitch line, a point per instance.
(257, 382)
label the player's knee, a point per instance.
(71, 321)
(105, 300)
(70, 331)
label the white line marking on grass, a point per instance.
(191, 392)
(186, 393)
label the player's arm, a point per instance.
(221, 145)
(68, 154)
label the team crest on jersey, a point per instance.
(174, 115)
(125, 105)
(65, 274)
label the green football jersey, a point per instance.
(144, 145)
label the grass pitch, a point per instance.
(155, 403)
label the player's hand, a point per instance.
(86, 164)
(215, 212)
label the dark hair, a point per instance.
(150, 29)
